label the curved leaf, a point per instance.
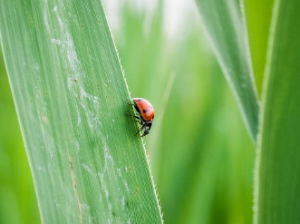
(223, 24)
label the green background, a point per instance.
(201, 155)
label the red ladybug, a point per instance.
(146, 114)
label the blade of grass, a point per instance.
(222, 21)
(258, 17)
(16, 206)
(278, 168)
(70, 97)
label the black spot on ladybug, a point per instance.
(140, 100)
(145, 111)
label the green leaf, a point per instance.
(258, 17)
(222, 21)
(18, 201)
(278, 166)
(71, 96)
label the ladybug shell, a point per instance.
(145, 109)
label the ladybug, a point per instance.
(146, 114)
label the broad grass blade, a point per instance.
(278, 167)
(71, 96)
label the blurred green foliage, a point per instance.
(201, 155)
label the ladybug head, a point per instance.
(147, 129)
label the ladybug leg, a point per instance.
(137, 132)
(140, 130)
(136, 117)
